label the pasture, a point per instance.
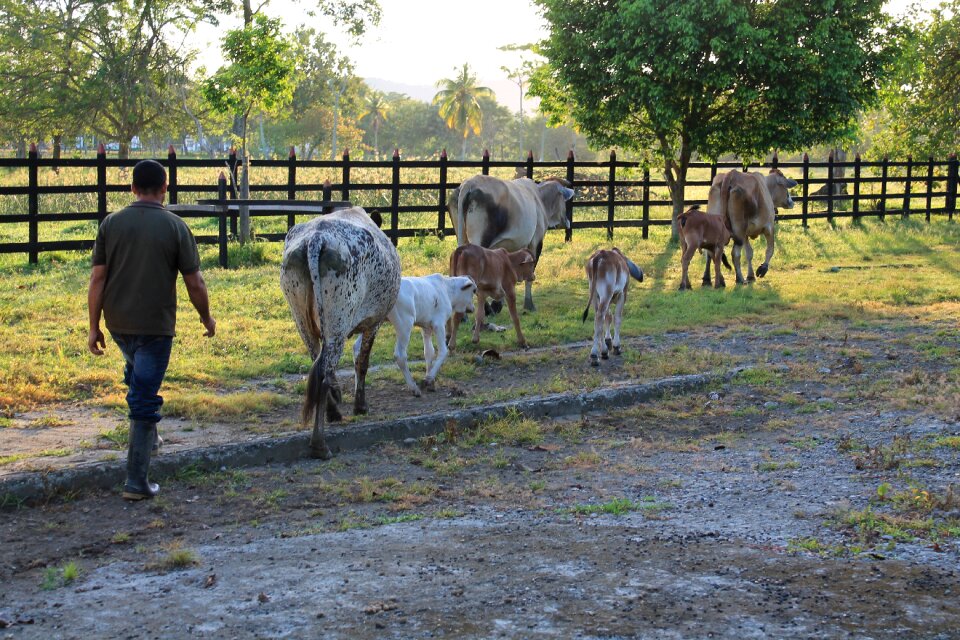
(820, 481)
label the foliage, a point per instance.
(921, 100)
(708, 77)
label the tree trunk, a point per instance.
(463, 149)
(21, 148)
(376, 139)
(57, 149)
(676, 176)
(244, 188)
(124, 152)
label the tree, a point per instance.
(459, 106)
(921, 102)
(520, 76)
(259, 78)
(376, 107)
(711, 77)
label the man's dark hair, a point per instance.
(149, 176)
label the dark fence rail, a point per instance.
(922, 182)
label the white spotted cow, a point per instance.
(340, 275)
(427, 302)
(609, 275)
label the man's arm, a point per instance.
(98, 282)
(197, 290)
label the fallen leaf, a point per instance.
(544, 447)
(263, 597)
(211, 580)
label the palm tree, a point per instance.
(377, 107)
(458, 104)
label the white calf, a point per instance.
(609, 274)
(427, 302)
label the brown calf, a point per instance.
(699, 230)
(608, 273)
(496, 273)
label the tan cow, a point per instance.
(496, 273)
(609, 274)
(509, 214)
(749, 201)
(706, 232)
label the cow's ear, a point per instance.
(469, 285)
(377, 218)
(565, 192)
(527, 259)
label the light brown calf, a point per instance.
(608, 273)
(496, 273)
(707, 232)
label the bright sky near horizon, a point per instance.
(418, 42)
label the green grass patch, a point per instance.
(618, 507)
(512, 429)
(46, 453)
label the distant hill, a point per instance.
(506, 91)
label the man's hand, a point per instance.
(96, 342)
(211, 326)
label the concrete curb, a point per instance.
(33, 487)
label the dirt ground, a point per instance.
(815, 496)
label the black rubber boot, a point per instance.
(142, 436)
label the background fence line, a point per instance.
(609, 194)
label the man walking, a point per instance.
(136, 257)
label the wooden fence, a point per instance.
(921, 182)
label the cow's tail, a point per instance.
(592, 275)
(635, 271)
(312, 401)
(724, 198)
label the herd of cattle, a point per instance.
(341, 274)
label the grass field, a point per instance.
(903, 269)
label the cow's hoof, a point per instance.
(524, 345)
(594, 361)
(706, 282)
(605, 355)
(740, 281)
(360, 409)
(531, 307)
(496, 307)
(720, 285)
(334, 415)
(617, 351)
(751, 279)
(762, 271)
(428, 385)
(417, 393)
(608, 342)
(321, 452)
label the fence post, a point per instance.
(222, 218)
(530, 164)
(291, 184)
(856, 189)
(568, 235)
(905, 214)
(929, 186)
(883, 188)
(395, 196)
(713, 171)
(952, 171)
(775, 161)
(101, 182)
(327, 193)
(172, 174)
(806, 189)
(345, 180)
(33, 203)
(485, 168)
(611, 193)
(232, 162)
(830, 188)
(442, 204)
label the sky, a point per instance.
(419, 42)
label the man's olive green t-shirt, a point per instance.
(144, 247)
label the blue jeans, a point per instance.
(147, 358)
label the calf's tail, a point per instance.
(723, 256)
(635, 271)
(592, 279)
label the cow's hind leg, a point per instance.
(360, 370)
(768, 236)
(617, 320)
(720, 283)
(512, 306)
(434, 362)
(750, 276)
(600, 313)
(400, 355)
(452, 325)
(706, 271)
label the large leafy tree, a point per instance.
(259, 78)
(459, 106)
(921, 102)
(711, 77)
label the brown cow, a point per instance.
(496, 272)
(608, 274)
(703, 231)
(749, 201)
